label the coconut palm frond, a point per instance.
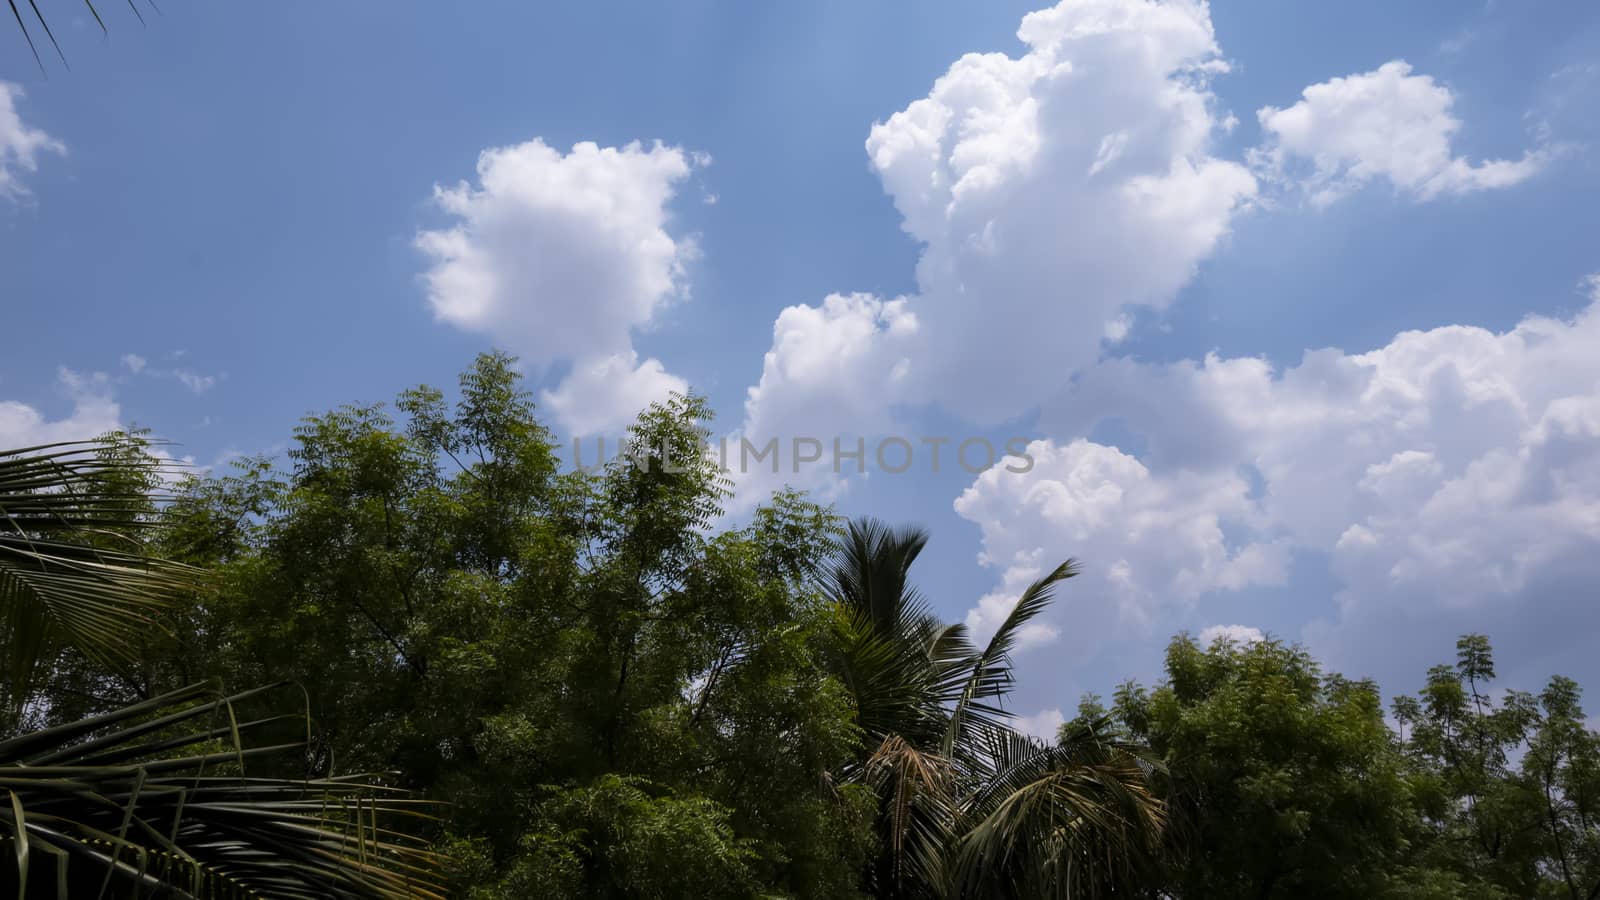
(1073, 819)
(154, 798)
(73, 566)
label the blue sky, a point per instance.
(1047, 245)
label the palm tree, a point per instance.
(969, 807)
(153, 798)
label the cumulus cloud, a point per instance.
(603, 392)
(1387, 123)
(94, 412)
(1238, 634)
(20, 145)
(833, 375)
(1148, 541)
(831, 365)
(1026, 179)
(1450, 477)
(562, 257)
(1054, 190)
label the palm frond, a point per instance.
(988, 674)
(105, 805)
(919, 809)
(1073, 819)
(895, 656)
(44, 25)
(871, 572)
(73, 568)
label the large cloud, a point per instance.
(1050, 191)
(1452, 478)
(1054, 190)
(20, 145)
(1146, 540)
(1387, 123)
(561, 257)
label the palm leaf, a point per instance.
(105, 805)
(919, 791)
(44, 25)
(72, 567)
(988, 674)
(1074, 819)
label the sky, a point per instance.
(1279, 318)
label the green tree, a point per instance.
(1508, 787)
(573, 660)
(1283, 780)
(1562, 770)
(967, 807)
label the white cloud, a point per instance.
(1239, 634)
(561, 257)
(20, 145)
(833, 374)
(1146, 541)
(1116, 330)
(1027, 180)
(1387, 123)
(1043, 724)
(94, 412)
(134, 363)
(831, 366)
(1451, 477)
(603, 392)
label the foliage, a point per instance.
(1283, 781)
(562, 657)
(73, 568)
(609, 690)
(967, 806)
(111, 801)
(144, 798)
(1508, 788)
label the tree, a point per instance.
(967, 806)
(597, 681)
(1513, 827)
(1562, 770)
(1283, 780)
